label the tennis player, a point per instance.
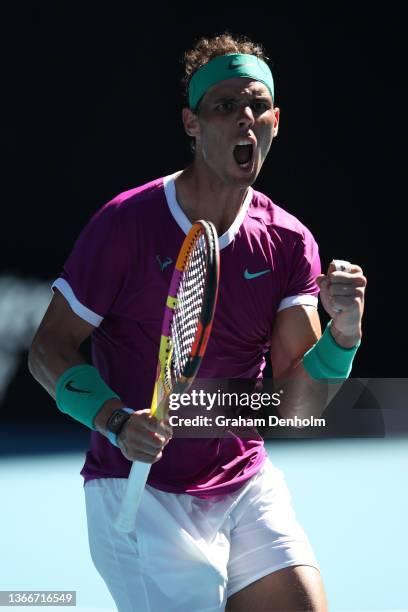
(216, 529)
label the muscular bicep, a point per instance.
(296, 329)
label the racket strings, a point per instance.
(189, 305)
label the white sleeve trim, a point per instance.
(79, 309)
(298, 300)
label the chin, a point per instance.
(246, 176)
(244, 183)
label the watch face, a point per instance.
(117, 420)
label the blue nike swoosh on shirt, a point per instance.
(249, 275)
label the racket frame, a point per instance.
(163, 386)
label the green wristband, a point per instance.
(81, 393)
(328, 360)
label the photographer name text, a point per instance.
(223, 421)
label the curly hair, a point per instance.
(206, 49)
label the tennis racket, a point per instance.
(186, 328)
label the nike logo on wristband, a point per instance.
(69, 387)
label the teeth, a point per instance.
(245, 141)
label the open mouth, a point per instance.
(243, 154)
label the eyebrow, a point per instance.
(258, 95)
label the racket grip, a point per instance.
(126, 519)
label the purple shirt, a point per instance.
(117, 278)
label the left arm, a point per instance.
(297, 329)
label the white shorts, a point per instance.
(189, 554)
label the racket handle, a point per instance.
(126, 519)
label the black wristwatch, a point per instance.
(116, 422)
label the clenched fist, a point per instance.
(143, 437)
(342, 295)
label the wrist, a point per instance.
(329, 360)
(80, 392)
(116, 424)
(346, 341)
(102, 417)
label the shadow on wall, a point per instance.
(22, 306)
(25, 428)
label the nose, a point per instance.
(245, 117)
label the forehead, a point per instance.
(238, 87)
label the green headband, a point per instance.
(225, 67)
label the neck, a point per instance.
(202, 196)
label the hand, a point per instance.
(342, 295)
(143, 437)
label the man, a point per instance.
(215, 529)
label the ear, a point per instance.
(190, 122)
(276, 111)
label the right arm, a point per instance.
(56, 348)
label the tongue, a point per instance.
(243, 153)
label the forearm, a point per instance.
(48, 361)
(304, 396)
(301, 396)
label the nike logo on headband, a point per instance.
(233, 65)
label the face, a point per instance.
(233, 129)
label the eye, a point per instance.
(226, 106)
(260, 107)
